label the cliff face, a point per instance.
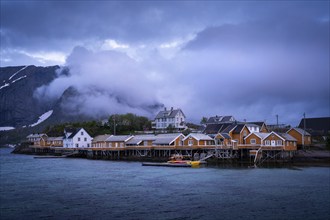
(18, 106)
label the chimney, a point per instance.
(165, 109)
(171, 108)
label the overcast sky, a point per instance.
(252, 60)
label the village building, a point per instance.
(37, 139)
(222, 139)
(262, 126)
(172, 118)
(54, 141)
(238, 133)
(303, 137)
(100, 141)
(272, 139)
(78, 138)
(118, 141)
(220, 120)
(141, 140)
(172, 139)
(196, 139)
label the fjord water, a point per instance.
(93, 189)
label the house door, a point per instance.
(273, 142)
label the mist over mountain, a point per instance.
(27, 92)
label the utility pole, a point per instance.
(114, 125)
(303, 139)
(277, 128)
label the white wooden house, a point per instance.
(174, 118)
(77, 139)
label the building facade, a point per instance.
(172, 118)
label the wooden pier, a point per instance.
(162, 153)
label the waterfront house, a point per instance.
(118, 141)
(54, 141)
(171, 139)
(78, 138)
(271, 140)
(262, 126)
(290, 143)
(255, 139)
(222, 139)
(100, 141)
(303, 137)
(172, 118)
(238, 133)
(37, 139)
(141, 140)
(197, 139)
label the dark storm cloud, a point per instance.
(274, 64)
(249, 59)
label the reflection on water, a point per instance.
(91, 189)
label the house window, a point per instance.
(85, 139)
(190, 142)
(267, 142)
(244, 133)
(87, 145)
(116, 144)
(77, 145)
(279, 142)
(121, 144)
(78, 139)
(253, 141)
(82, 133)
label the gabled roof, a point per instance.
(169, 113)
(73, 132)
(238, 128)
(76, 131)
(36, 135)
(258, 134)
(166, 139)
(55, 139)
(287, 137)
(229, 128)
(274, 133)
(214, 128)
(199, 136)
(101, 138)
(220, 119)
(252, 125)
(300, 131)
(259, 123)
(136, 140)
(224, 135)
(119, 138)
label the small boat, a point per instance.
(177, 161)
(49, 157)
(166, 164)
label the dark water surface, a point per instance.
(94, 189)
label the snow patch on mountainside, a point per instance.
(5, 85)
(6, 128)
(43, 117)
(22, 77)
(17, 72)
